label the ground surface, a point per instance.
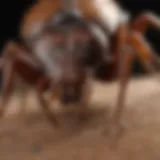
(30, 137)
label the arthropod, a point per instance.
(125, 37)
(56, 61)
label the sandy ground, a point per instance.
(29, 136)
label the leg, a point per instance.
(16, 52)
(43, 103)
(8, 70)
(142, 22)
(139, 26)
(85, 94)
(12, 53)
(144, 52)
(23, 100)
(115, 126)
(83, 102)
(125, 69)
(124, 58)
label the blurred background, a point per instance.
(11, 12)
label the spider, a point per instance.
(125, 36)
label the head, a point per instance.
(70, 39)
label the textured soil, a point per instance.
(25, 134)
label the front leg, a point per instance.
(17, 52)
(123, 57)
(43, 103)
(125, 68)
(85, 95)
(7, 82)
(23, 100)
(13, 53)
(84, 90)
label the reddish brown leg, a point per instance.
(139, 26)
(11, 54)
(144, 52)
(44, 104)
(83, 104)
(7, 82)
(23, 101)
(142, 22)
(124, 57)
(16, 52)
(116, 125)
(125, 68)
(86, 95)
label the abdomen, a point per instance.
(36, 16)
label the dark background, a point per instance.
(11, 12)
